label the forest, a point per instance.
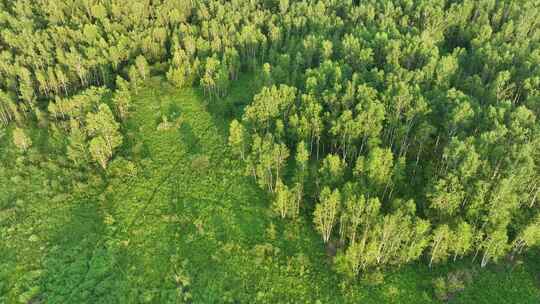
(269, 151)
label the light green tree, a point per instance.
(100, 151)
(440, 244)
(21, 140)
(105, 132)
(283, 201)
(237, 138)
(142, 67)
(77, 149)
(462, 239)
(326, 212)
(332, 170)
(122, 98)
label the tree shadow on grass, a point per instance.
(218, 109)
(79, 266)
(224, 110)
(189, 139)
(532, 265)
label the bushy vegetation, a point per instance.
(209, 151)
(419, 133)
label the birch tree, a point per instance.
(326, 212)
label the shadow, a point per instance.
(532, 265)
(224, 110)
(79, 266)
(173, 111)
(189, 139)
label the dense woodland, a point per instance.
(400, 131)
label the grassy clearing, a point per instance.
(185, 225)
(204, 219)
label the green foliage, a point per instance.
(21, 140)
(403, 132)
(454, 282)
(327, 212)
(429, 119)
(105, 132)
(122, 98)
(200, 237)
(237, 138)
(142, 67)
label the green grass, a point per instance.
(186, 226)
